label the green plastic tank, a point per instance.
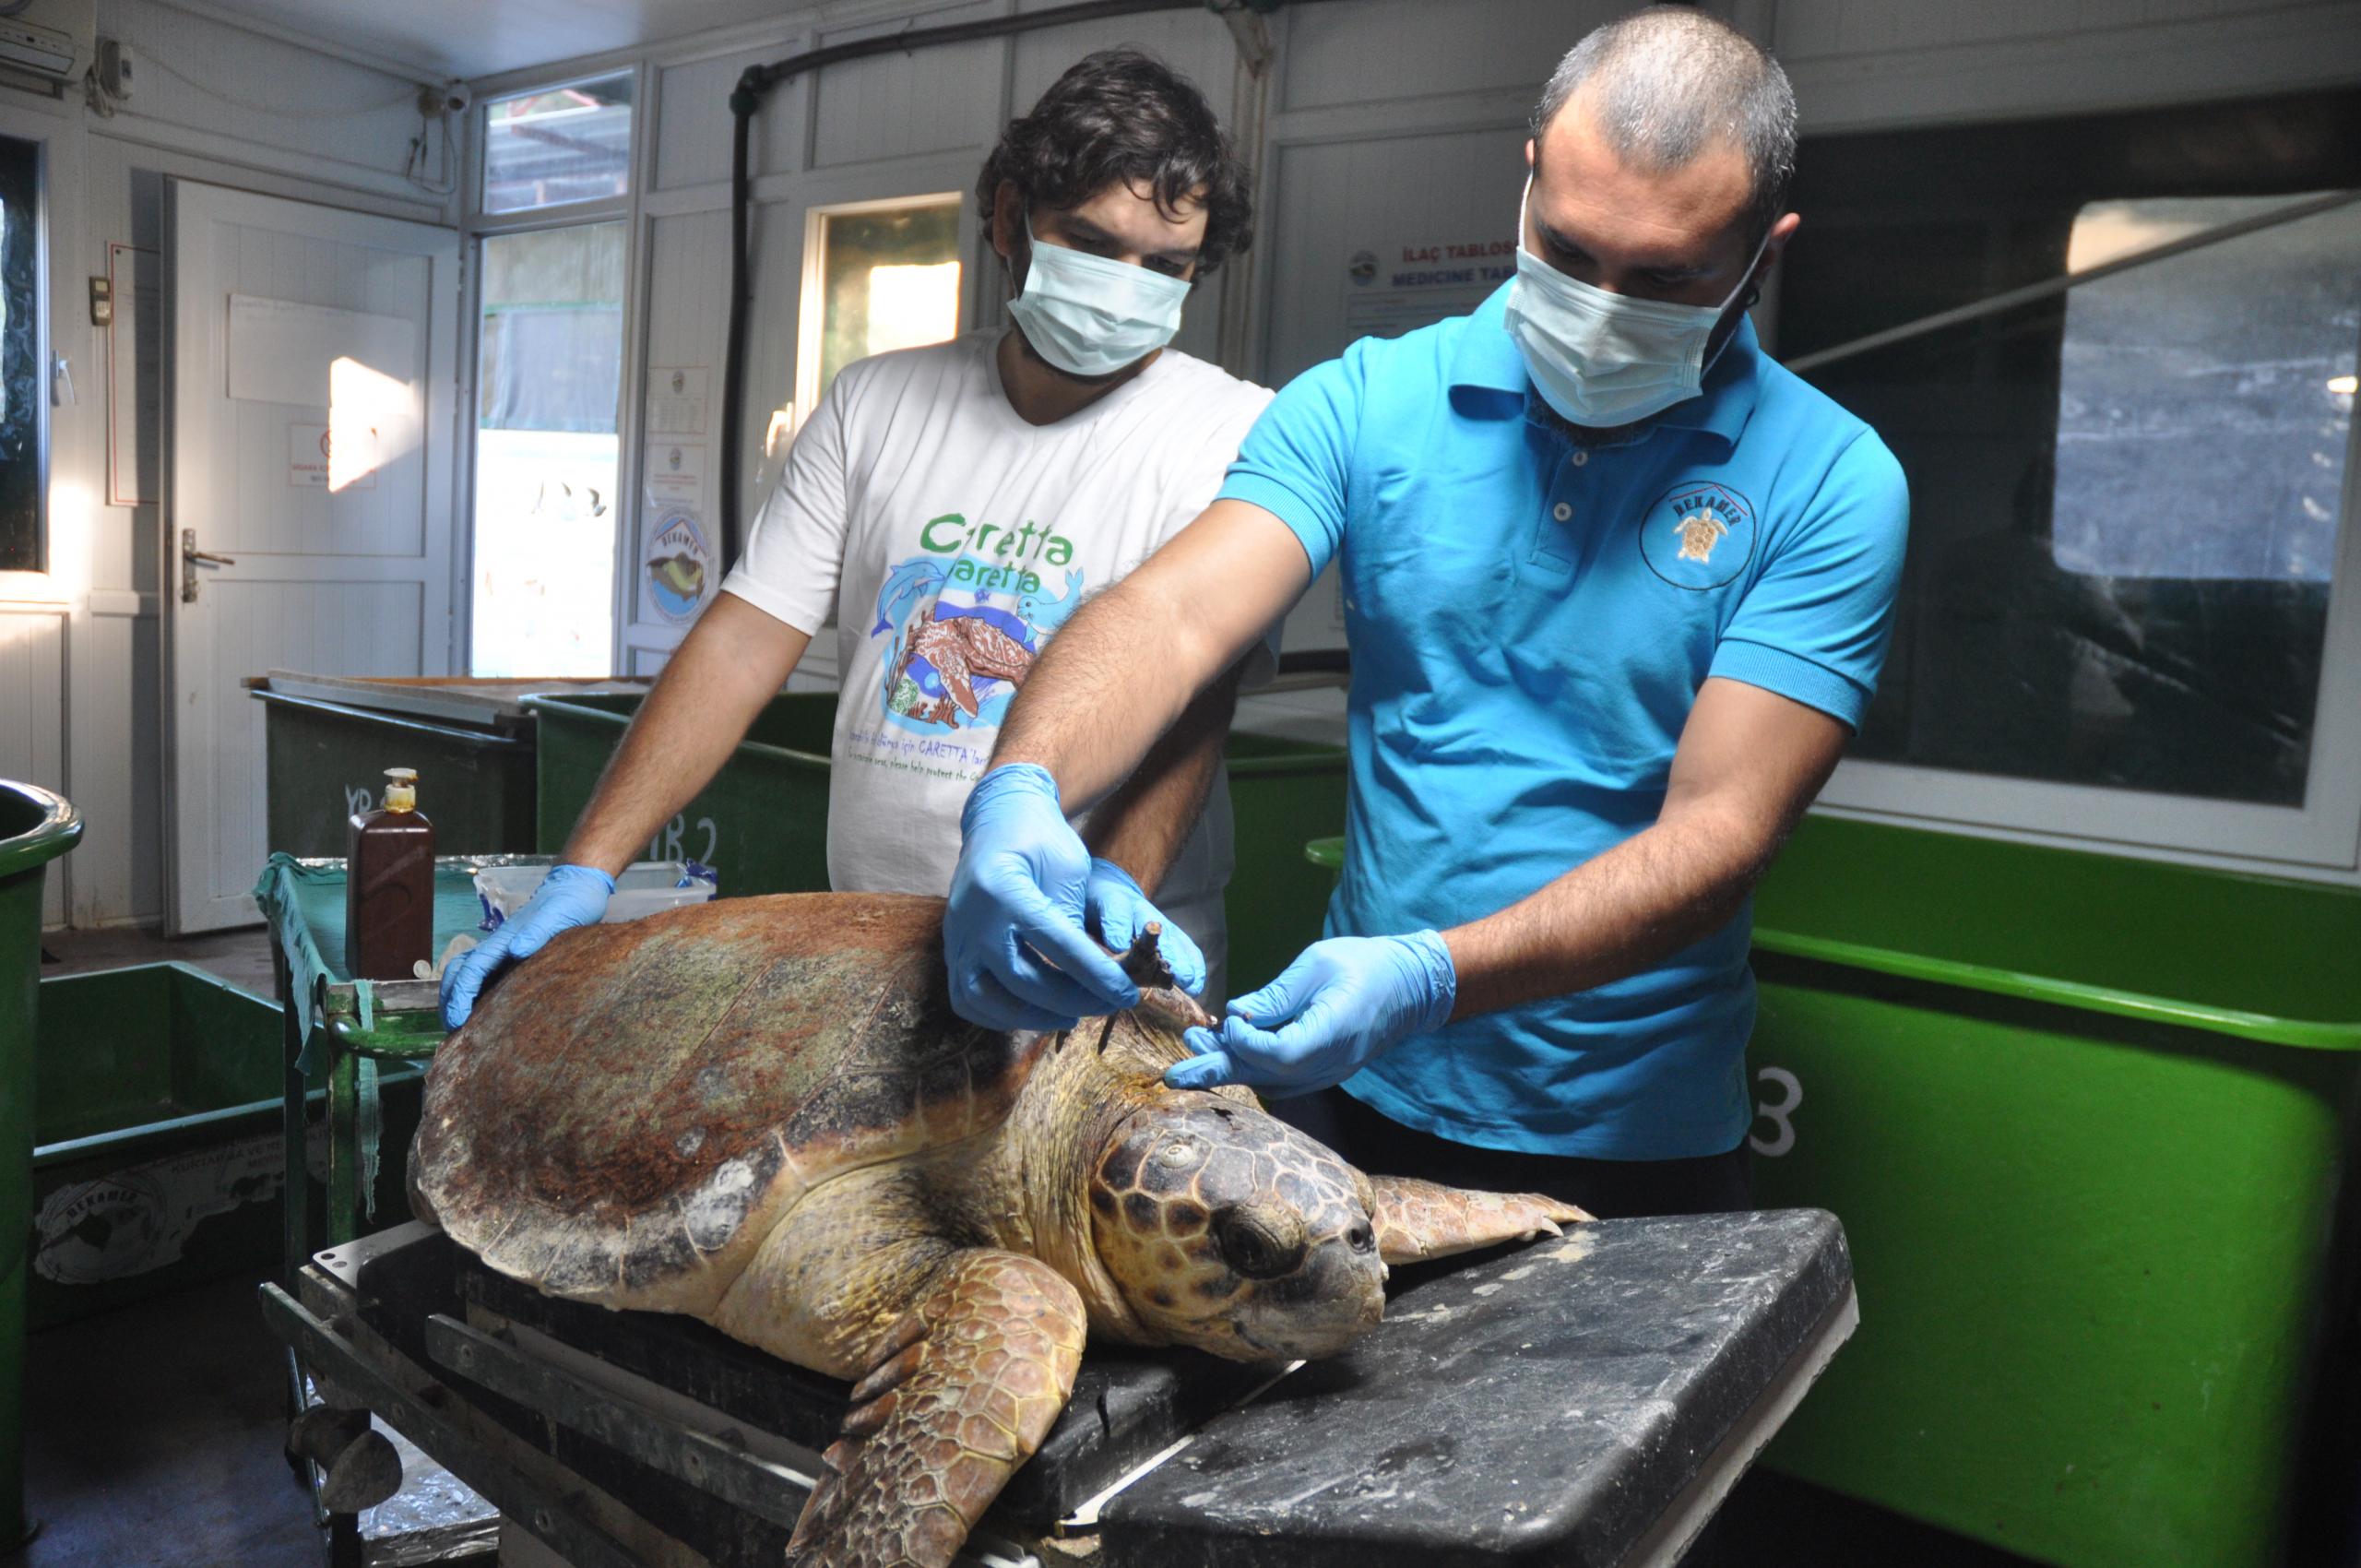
(2089, 1121)
(35, 828)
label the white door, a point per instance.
(311, 362)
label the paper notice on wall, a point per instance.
(1393, 289)
(675, 477)
(280, 352)
(308, 450)
(675, 572)
(676, 400)
(135, 397)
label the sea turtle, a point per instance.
(763, 1113)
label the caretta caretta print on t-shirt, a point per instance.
(966, 620)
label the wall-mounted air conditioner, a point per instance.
(50, 40)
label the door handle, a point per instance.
(191, 559)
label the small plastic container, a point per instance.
(647, 888)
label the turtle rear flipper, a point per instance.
(964, 1391)
(1417, 1219)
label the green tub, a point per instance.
(158, 1161)
(35, 828)
(323, 760)
(763, 823)
(2087, 1121)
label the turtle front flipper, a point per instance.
(964, 1391)
(1423, 1219)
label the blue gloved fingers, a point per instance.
(1279, 1000)
(1182, 957)
(1113, 905)
(980, 997)
(1048, 991)
(463, 980)
(1058, 938)
(1201, 1071)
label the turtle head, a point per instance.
(1230, 1231)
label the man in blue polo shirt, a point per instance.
(1618, 587)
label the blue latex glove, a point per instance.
(570, 895)
(1012, 934)
(1116, 908)
(1341, 1004)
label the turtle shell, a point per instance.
(627, 1115)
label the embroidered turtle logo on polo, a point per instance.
(1699, 535)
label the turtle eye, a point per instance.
(1260, 1242)
(1361, 1238)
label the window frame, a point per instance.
(2324, 833)
(37, 582)
(812, 296)
(476, 226)
(564, 213)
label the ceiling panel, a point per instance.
(484, 38)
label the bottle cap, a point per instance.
(402, 788)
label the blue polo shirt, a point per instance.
(1530, 621)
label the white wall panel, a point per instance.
(1195, 44)
(33, 717)
(219, 89)
(1862, 64)
(1337, 198)
(1812, 29)
(687, 293)
(1369, 51)
(238, 107)
(692, 123)
(894, 106)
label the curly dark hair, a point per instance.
(1124, 115)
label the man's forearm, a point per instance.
(1142, 826)
(732, 663)
(1614, 915)
(1131, 661)
(1097, 700)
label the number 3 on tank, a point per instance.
(1777, 1113)
(668, 842)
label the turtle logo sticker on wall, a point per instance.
(1699, 535)
(677, 567)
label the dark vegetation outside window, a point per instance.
(22, 546)
(2125, 498)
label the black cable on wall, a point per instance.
(747, 97)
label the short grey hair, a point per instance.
(1669, 81)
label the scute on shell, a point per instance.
(628, 1114)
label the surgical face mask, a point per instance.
(1603, 359)
(1089, 315)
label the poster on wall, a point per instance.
(675, 475)
(676, 400)
(135, 402)
(308, 450)
(1402, 286)
(675, 568)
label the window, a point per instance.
(2128, 495)
(557, 146)
(22, 350)
(549, 381)
(883, 276)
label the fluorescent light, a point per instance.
(2344, 385)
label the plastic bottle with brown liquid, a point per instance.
(389, 885)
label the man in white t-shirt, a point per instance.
(951, 506)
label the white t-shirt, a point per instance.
(951, 540)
